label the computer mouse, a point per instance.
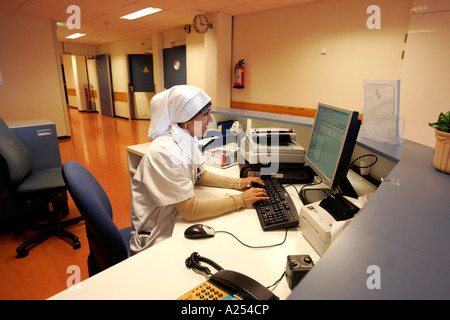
(198, 231)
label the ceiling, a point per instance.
(100, 19)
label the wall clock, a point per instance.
(201, 23)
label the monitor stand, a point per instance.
(333, 201)
(308, 196)
(339, 207)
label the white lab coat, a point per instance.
(166, 175)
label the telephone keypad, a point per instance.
(206, 291)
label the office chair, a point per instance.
(107, 244)
(31, 196)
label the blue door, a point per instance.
(104, 85)
(174, 66)
(141, 72)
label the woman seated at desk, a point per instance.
(163, 185)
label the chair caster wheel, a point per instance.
(76, 245)
(22, 252)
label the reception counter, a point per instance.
(397, 246)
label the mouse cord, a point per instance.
(257, 247)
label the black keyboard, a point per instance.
(279, 211)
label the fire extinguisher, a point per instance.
(239, 75)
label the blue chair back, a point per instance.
(106, 244)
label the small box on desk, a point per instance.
(221, 156)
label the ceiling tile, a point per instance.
(10, 6)
(102, 17)
(37, 11)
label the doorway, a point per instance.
(142, 84)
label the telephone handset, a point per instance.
(224, 284)
(241, 286)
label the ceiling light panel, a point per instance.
(141, 13)
(76, 36)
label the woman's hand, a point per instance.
(247, 181)
(254, 194)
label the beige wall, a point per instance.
(31, 72)
(195, 53)
(283, 60)
(426, 70)
(69, 73)
(217, 60)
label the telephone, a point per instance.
(224, 284)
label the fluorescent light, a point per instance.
(76, 35)
(141, 13)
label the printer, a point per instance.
(319, 227)
(274, 152)
(273, 144)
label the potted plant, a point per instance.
(441, 160)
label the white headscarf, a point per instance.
(175, 105)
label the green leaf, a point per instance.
(443, 123)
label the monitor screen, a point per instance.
(332, 142)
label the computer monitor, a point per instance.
(331, 145)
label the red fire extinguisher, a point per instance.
(239, 75)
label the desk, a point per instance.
(403, 229)
(160, 273)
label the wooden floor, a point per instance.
(98, 142)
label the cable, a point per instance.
(311, 184)
(278, 281)
(363, 156)
(193, 262)
(291, 185)
(257, 247)
(302, 193)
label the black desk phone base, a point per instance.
(224, 284)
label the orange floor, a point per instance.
(98, 142)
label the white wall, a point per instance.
(31, 71)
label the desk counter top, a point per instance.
(398, 241)
(396, 248)
(159, 273)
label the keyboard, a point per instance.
(279, 211)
